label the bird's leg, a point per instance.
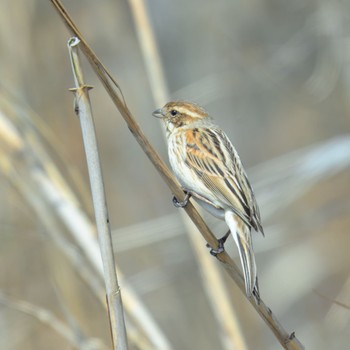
(183, 203)
(221, 242)
(223, 239)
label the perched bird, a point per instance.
(209, 169)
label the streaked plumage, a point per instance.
(209, 168)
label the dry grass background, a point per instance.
(274, 74)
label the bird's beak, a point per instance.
(158, 113)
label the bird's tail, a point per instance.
(243, 239)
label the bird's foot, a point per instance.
(183, 203)
(221, 247)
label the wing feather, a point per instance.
(216, 163)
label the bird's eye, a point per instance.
(173, 112)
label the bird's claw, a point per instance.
(183, 203)
(220, 248)
(215, 252)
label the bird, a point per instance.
(210, 171)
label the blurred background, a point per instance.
(274, 74)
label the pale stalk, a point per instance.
(83, 110)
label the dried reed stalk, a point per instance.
(83, 110)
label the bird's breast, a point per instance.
(177, 154)
(185, 174)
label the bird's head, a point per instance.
(181, 114)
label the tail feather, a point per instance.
(242, 237)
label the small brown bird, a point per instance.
(209, 169)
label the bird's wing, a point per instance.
(214, 160)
